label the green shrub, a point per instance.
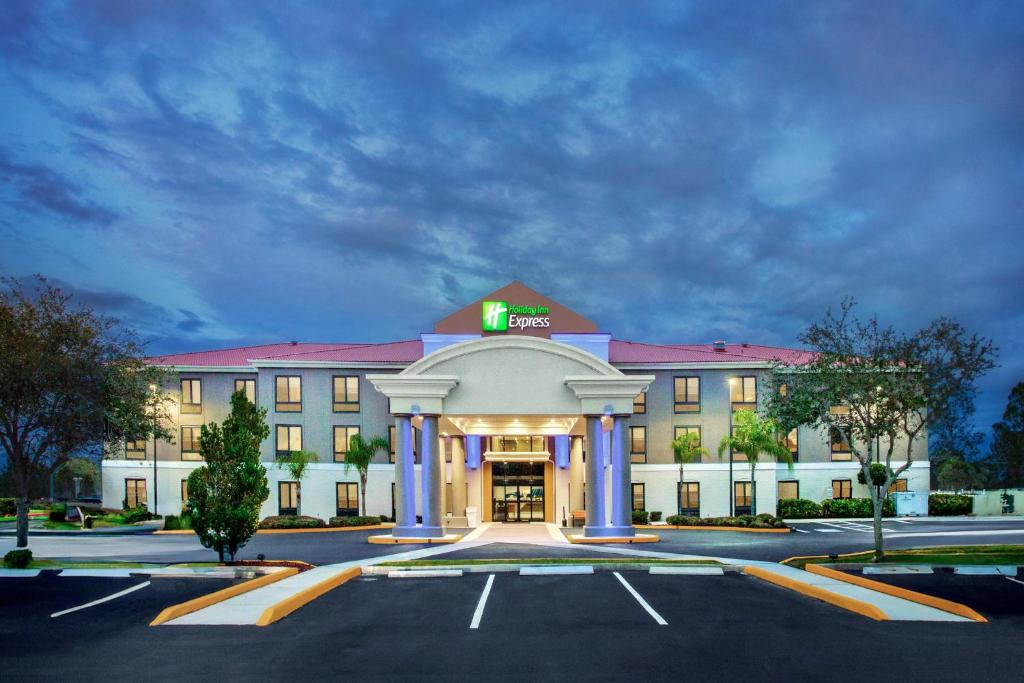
(353, 521)
(762, 521)
(176, 523)
(18, 559)
(292, 522)
(137, 514)
(656, 516)
(8, 507)
(855, 507)
(948, 504)
(879, 473)
(798, 508)
(58, 513)
(641, 517)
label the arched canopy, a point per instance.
(512, 375)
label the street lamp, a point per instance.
(156, 488)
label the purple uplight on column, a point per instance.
(473, 451)
(562, 451)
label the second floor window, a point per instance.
(687, 394)
(135, 449)
(190, 443)
(638, 444)
(342, 438)
(743, 393)
(288, 394)
(839, 444)
(640, 403)
(191, 396)
(248, 387)
(791, 443)
(289, 440)
(346, 394)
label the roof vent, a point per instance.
(719, 346)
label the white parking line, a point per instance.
(803, 531)
(1010, 578)
(640, 599)
(116, 595)
(479, 612)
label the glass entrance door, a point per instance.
(517, 491)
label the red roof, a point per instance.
(404, 352)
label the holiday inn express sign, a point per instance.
(500, 316)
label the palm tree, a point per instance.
(754, 437)
(686, 449)
(359, 455)
(295, 464)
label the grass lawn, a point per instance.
(61, 526)
(32, 514)
(543, 561)
(944, 555)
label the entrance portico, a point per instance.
(512, 385)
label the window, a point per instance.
(792, 444)
(689, 499)
(184, 493)
(248, 387)
(191, 396)
(687, 394)
(348, 499)
(289, 440)
(287, 497)
(391, 443)
(743, 393)
(742, 491)
(190, 443)
(134, 493)
(512, 444)
(135, 449)
(638, 444)
(737, 456)
(686, 430)
(640, 403)
(840, 446)
(638, 497)
(898, 486)
(789, 489)
(288, 394)
(342, 438)
(842, 488)
(346, 394)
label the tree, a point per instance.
(871, 385)
(359, 455)
(296, 465)
(71, 381)
(77, 468)
(686, 449)
(958, 475)
(754, 437)
(225, 494)
(1007, 450)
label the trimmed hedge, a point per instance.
(948, 504)
(292, 522)
(641, 517)
(137, 514)
(176, 523)
(762, 521)
(58, 513)
(8, 507)
(353, 521)
(798, 508)
(656, 516)
(18, 559)
(801, 508)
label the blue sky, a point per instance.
(218, 174)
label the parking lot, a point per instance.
(421, 628)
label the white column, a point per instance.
(458, 477)
(596, 524)
(405, 479)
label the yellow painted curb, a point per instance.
(181, 609)
(436, 540)
(174, 531)
(888, 589)
(325, 529)
(847, 603)
(741, 529)
(821, 557)
(282, 609)
(642, 538)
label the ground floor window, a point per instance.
(288, 498)
(842, 488)
(639, 503)
(517, 492)
(184, 493)
(743, 492)
(393, 513)
(898, 486)
(789, 489)
(134, 493)
(348, 499)
(689, 499)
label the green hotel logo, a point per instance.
(495, 316)
(499, 316)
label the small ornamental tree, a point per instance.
(359, 455)
(754, 437)
(296, 465)
(71, 381)
(686, 449)
(225, 494)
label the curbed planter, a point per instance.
(742, 529)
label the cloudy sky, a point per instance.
(217, 174)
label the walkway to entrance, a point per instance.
(535, 533)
